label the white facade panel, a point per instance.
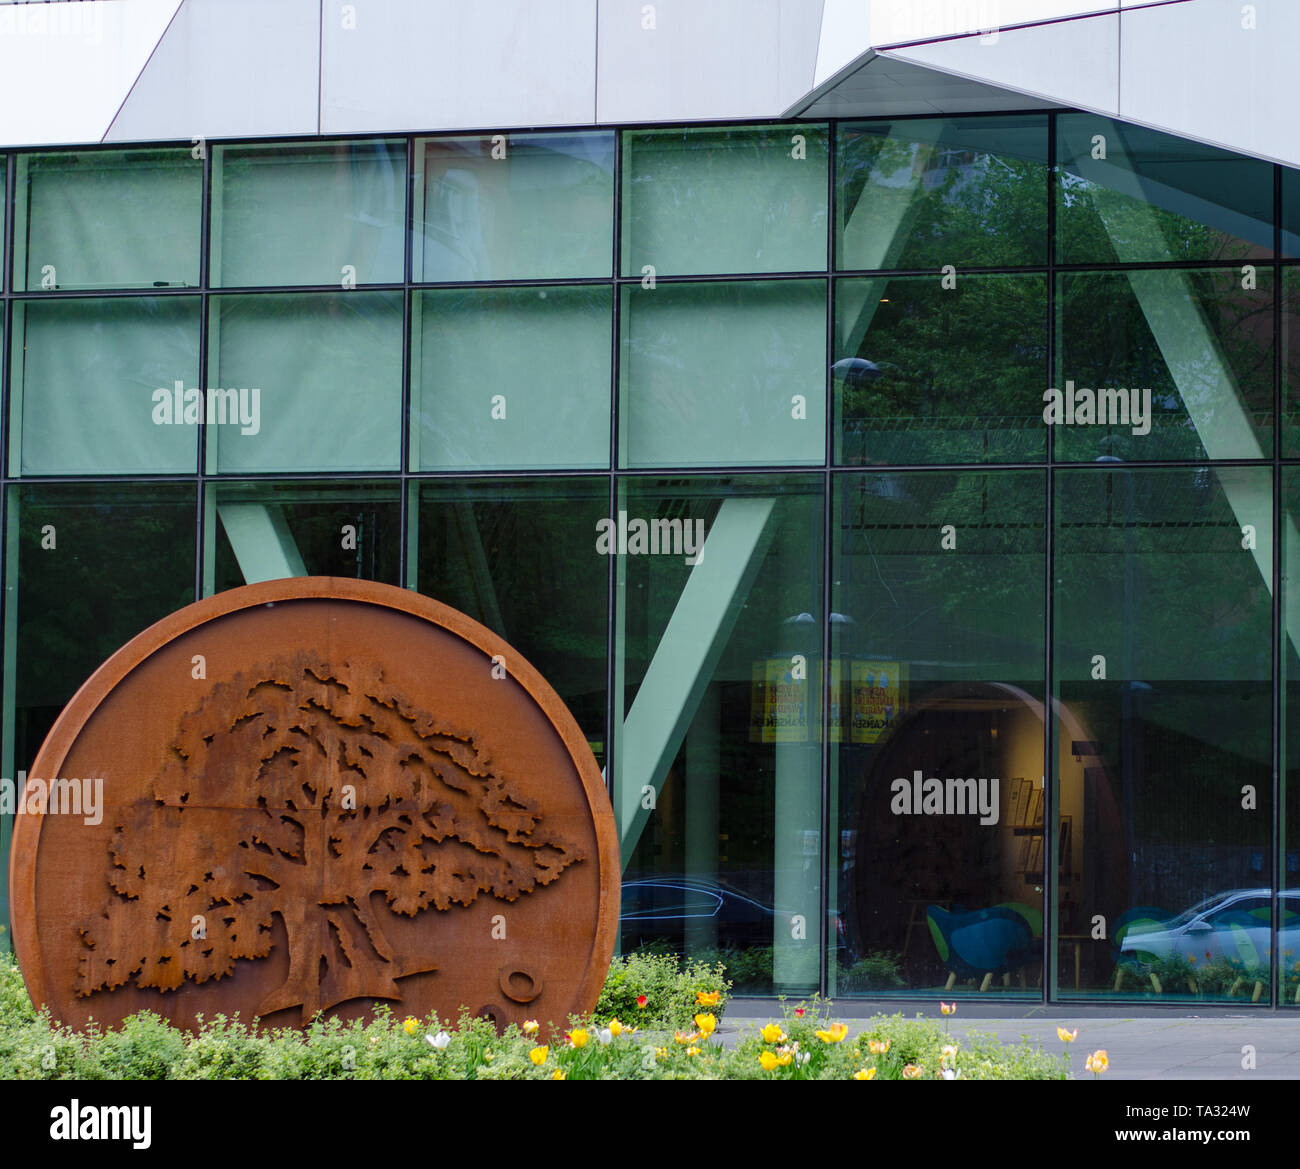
(453, 65)
(65, 68)
(1071, 62)
(1216, 70)
(683, 60)
(850, 27)
(229, 68)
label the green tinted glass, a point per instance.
(515, 377)
(1163, 364)
(90, 379)
(108, 219)
(1289, 340)
(725, 201)
(520, 557)
(1163, 673)
(514, 207)
(307, 382)
(267, 531)
(926, 373)
(1127, 194)
(720, 374)
(922, 193)
(937, 628)
(717, 651)
(331, 214)
(1288, 968)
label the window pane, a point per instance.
(720, 721)
(927, 374)
(267, 531)
(922, 193)
(1189, 356)
(512, 377)
(723, 374)
(323, 374)
(1288, 990)
(308, 214)
(1289, 339)
(108, 219)
(937, 732)
(720, 201)
(1290, 212)
(88, 380)
(88, 566)
(542, 210)
(1154, 197)
(520, 557)
(1163, 671)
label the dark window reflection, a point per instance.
(1164, 676)
(937, 632)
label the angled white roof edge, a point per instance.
(899, 53)
(830, 83)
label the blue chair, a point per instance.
(982, 942)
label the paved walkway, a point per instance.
(1143, 1044)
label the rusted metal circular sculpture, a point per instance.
(317, 794)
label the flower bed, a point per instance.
(656, 1021)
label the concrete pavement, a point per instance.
(1142, 1043)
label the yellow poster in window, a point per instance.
(779, 707)
(879, 695)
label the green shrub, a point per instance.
(750, 970)
(1175, 974)
(877, 971)
(670, 987)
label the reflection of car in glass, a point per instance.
(659, 909)
(1225, 926)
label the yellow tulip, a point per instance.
(865, 1074)
(558, 1074)
(707, 1024)
(578, 1038)
(948, 1008)
(835, 1034)
(879, 1046)
(683, 1038)
(1097, 1062)
(1067, 1036)
(661, 1053)
(411, 1026)
(707, 998)
(615, 1028)
(768, 1060)
(911, 1072)
(784, 1058)
(772, 1033)
(530, 1027)
(692, 1051)
(538, 1055)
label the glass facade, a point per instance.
(905, 508)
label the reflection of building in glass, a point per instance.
(805, 295)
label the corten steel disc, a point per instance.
(365, 797)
